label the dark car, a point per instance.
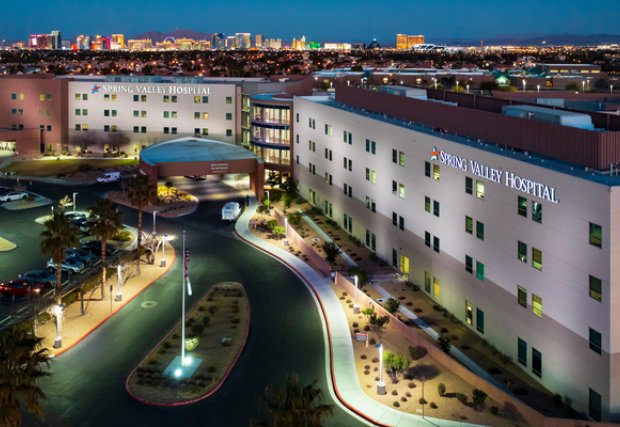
(20, 288)
(94, 247)
(82, 254)
(39, 276)
(75, 216)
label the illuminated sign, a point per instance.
(95, 89)
(499, 176)
(158, 89)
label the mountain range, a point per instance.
(538, 40)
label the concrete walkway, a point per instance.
(339, 347)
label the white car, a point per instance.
(109, 177)
(13, 195)
(231, 211)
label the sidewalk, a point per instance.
(75, 326)
(339, 349)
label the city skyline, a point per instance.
(323, 22)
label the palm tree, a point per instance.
(59, 234)
(297, 405)
(106, 225)
(139, 193)
(379, 322)
(21, 368)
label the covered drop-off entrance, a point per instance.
(197, 156)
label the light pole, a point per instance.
(524, 83)
(457, 86)
(184, 361)
(119, 289)
(74, 201)
(154, 222)
(58, 309)
(380, 384)
(162, 263)
(435, 83)
(356, 306)
(611, 89)
(583, 86)
(467, 87)
(286, 231)
(52, 210)
(538, 88)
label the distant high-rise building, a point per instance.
(231, 42)
(117, 41)
(82, 42)
(244, 40)
(258, 41)
(273, 44)
(56, 39)
(139, 44)
(406, 41)
(40, 41)
(299, 44)
(217, 41)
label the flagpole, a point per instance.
(183, 307)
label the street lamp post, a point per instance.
(524, 83)
(154, 222)
(356, 306)
(74, 201)
(162, 263)
(380, 384)
(457, 86)
(58, 309)
(435, 83)
(467, 87)
(119, 277)
(538, 88)
(52, 210)
(583, 86)
(184, 361)
(611, 89)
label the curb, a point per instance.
(119, 308)
(210, 392)
(329, 336)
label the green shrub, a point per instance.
(433, 405)
(478, 398)
(43, 318)
(441, 389)
(422, 401)
(417, 352)
(391, 305)
(444, 344)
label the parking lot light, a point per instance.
(162, 263)
(380, 383)
(58, 310)
(74, 201)
(356, 306)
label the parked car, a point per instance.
(85, 226)
(74, 217)
(94, 246)
(109, 177)
(20, 288)
(231, 211)
(13, 195)
(39, 276)
(4, 190)
(82, 255)
(71, 264)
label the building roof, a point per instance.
(194, 150)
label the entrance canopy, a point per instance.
(197, 156)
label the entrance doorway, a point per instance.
(404, 265)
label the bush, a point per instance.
(123, 236)
(167, 345)
(422, 401)
(444, 344)
(478, 398)
(206, 320)
(212, 309)
(396, 404)
(441, 389)
(417, 352)
(411, 385)
(462, 398)
(43, 318)
(391, 305)
(433, 405)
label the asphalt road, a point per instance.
(87, 383)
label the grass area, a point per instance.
(216, 329)
(52, 167)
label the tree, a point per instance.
(58, 236)
(289, 186)
(21, 367)
(368, 313)
(395, 364)
(379, 322)
(478, 398)
(332, 250)
(391, 305)
(107, 223)
(296, 405)
(139, 193)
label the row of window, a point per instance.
(435, 241)
(469, 227)
(537, 255)
(114, 97)
(399, 221)
(435, 205)
(536, 209)
(469, 267)
(20, 96)
(537, 302)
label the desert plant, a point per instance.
(332, 250)
(417, 352)
(478, 398)
(441, 389)
(444, 344)
(391, 305)
(395, 364)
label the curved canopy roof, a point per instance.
(194, 150)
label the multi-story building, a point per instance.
(406, 41)
(243, 40)
(258, 41)
(273, 44)
(511, 225)
(117, 41)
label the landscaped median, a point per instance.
(216, 331)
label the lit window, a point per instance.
(596, 235)
(479, 189)
(106, 97)
(166, 98)
(205, 131)
(436, 288)
(205, 116)
(114, 97)
(436, 174)
(479, 270)
(537, 212)
(537, 308)
(196, 100)
(537, 260)
(228, 100)
(401, 191)
(469, 313)
(596, 288)
(469, 225)
(401, 158)
(427, 204)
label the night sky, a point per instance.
(321, 20)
